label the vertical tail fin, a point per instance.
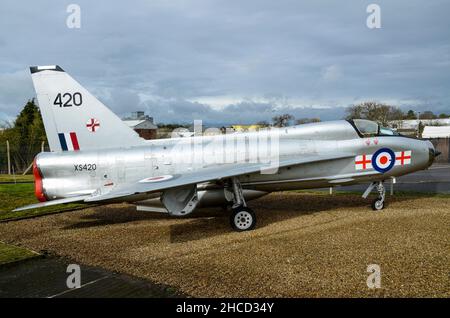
(73, 118)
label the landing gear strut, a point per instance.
(242, 218)
(378, 204)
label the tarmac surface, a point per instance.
(434, 180)
(46, 278)
(303, 246)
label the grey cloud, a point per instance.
(173, 111)
(15, 89)
(321, 53)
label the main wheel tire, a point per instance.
(242, 219)
(378, 204)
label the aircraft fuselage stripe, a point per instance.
(74, 139)
(62, 141)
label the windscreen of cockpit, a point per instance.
(368, 128)
(387, 132)
(365, 127)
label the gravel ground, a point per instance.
(304, 246)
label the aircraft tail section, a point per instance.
(73, 118)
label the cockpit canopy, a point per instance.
(368, 128)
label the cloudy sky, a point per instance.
(232, 61)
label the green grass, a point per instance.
(16, 178)
(10, 253)
(16, 195)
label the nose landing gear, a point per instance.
(379, 203)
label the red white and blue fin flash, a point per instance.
(69, 141)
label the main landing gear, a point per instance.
(378, 204)
(242, 218)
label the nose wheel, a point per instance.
(379, 203)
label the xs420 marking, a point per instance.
(85, 167)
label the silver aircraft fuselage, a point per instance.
(66, 174)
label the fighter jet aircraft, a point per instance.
(96, 158)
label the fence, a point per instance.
(20, 157)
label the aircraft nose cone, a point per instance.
(432, 153)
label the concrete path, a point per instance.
(46, 278)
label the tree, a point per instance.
(302, 121)
(411, 114)
(395, 113)
(282, 120)
(378, 112)
(25, 136)
(443, 115)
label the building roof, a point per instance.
(436, 132)
(140, 124)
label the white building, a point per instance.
(436, 132)
(414, 123)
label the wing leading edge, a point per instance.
(53, 202)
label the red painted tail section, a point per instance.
(38, 188)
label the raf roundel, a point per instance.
(156, 179)
(383, 160)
